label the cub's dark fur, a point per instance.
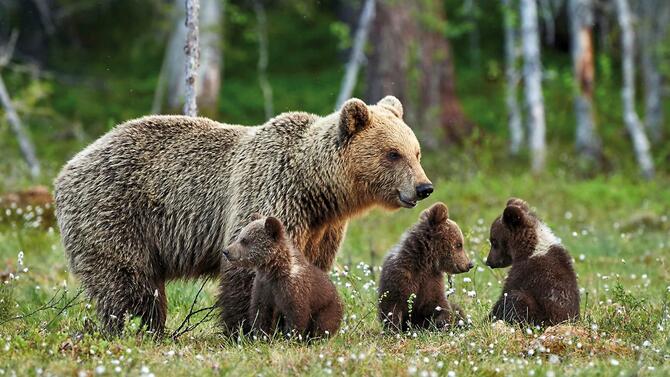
(541, 287)
(287, 290)
(414, 271)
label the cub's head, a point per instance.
(444, 240)
(518, 234)
(500, 255)
(382, 155)
(257, 242)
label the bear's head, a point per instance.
(499, 255)
(382, 155)
(518, 234)
(444, 240)
(263, 239)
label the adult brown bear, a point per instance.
(158, 198)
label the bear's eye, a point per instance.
(393, 155)
(459, 245)
(244, 241)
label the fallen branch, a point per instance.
(186, 324)
(53, 303)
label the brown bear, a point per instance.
(158, 198)
(287, 289)
(411, 287)
(541, 287)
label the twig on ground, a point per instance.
(186, 324)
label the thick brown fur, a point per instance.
(416, 267)
(541, 287)
(158, 198)
(287, 289)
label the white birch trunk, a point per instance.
(192, 50)
(512, 77)
(208, 81)
(631, 119)
(26, 146)
(581, 26)
(357, 53)
(262, 30)
(532, 72)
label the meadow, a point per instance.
(615, 227)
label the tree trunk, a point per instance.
(192, 50)
(261, 29)
(581, 26)
(27, 148)
(471, 11)
(640, 141)
(357, 53)
(532, 72)
(512, 76)
(548, 20)
(173, 76)
(412, 60)
(655, 17)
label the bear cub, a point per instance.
(541, 287)
(413, 273)
(289, 293)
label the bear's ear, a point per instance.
(274, 227)
(393, 104)
(519, 203)
(515, 217)
(354, 116)
(438, 213)
(255, 216)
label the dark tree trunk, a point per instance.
(412, 60)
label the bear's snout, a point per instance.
(424, 190)
(471, 264)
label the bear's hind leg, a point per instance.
(125, 292)
(327, 322)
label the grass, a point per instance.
(616, 228)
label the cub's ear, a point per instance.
(255, 216)
(438, 213)
(519, 203)
(515, 217)
(274, 227)
(393, 104)
(354, 117)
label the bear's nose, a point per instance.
(225, 253)
(424, 190)
(470, 265)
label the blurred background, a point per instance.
(558, 88)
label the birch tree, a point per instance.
(172, 80)
(192, 50)
(581, 26)
(262, 31)
(25, 144)
(512, 76)
(532, 73)
(357, 53)
(631, 119)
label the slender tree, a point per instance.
(631, 119)
(357, 53)
(581, 26)
(512, 76)
(172, 79)
(532, 73)
(262, 31)
(192, 50)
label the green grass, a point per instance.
(615, 227)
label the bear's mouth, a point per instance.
(406, 202)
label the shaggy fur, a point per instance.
(541, 287)
(288, 290)
(159, 197)
(416, 267)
